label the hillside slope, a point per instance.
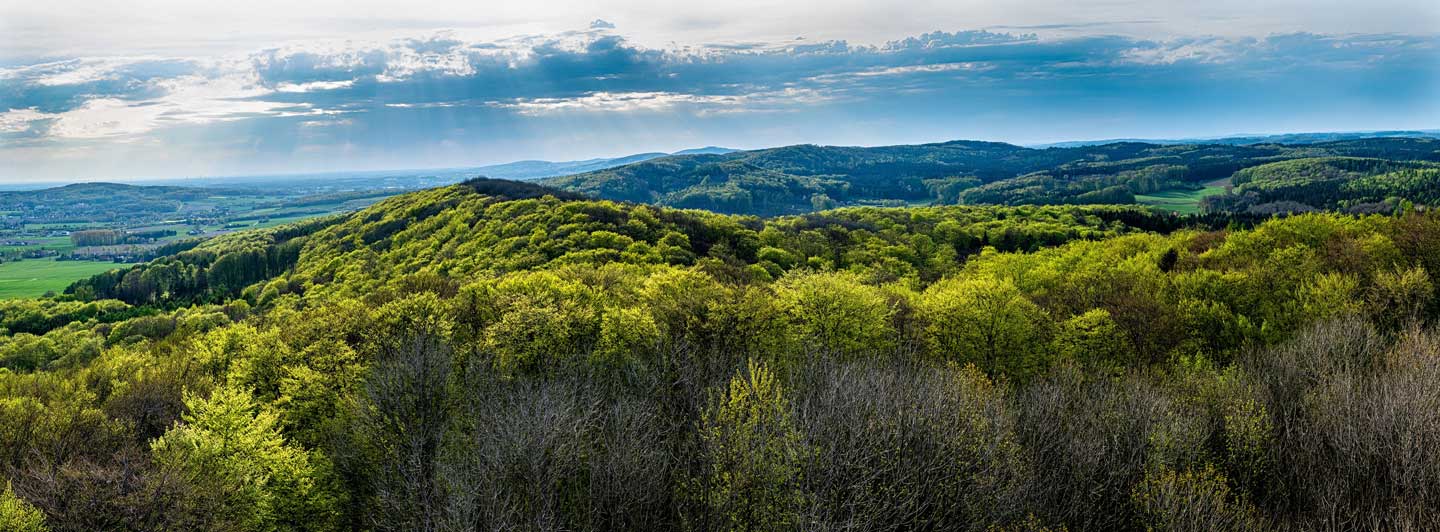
(1356, 184)
(497, 354)
(489, 227)
(804, 178)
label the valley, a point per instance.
(667, 350)
(145, 222)
(640, 265)
(1183, 200)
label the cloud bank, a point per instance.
(440, 100)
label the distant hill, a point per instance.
(1240, 140)
(397, 180)
(803, 178)
(103, 202)
(522, 170)
(707, 149)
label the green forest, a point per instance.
(498, 355)
(1269, 178)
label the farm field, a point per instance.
(1183, 201)
(42, 221)
(34, 277)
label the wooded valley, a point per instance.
(497, 355)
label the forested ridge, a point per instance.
(504, 356)
(803, 178)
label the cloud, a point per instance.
(591, 70)
(940, 39)
(190, 99)
(21, 120)
(1201, 51)
(665, 101)
(314, 86)
(341, 122)
(440, 89)
(599, 24)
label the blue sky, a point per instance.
(384, 87)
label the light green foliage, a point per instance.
(1330, 295)
(231, 449)
(1193, 501)
(531, 337)
(986, 322)
(682, 301)
(1247, 436)
(836, 313)
(753, 454)
(538, 334)
(1361, 184)
(627, 336)
(16, 515)
(1399, 296)
(46, 416)
(69, 346)
(142, 328)
(1095, 340)
(312, 393)
(776, 256)
(245, 356)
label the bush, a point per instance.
(752, 456)
(1193, 501)
(16, 515)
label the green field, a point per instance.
(1181, 200)
(34, 277)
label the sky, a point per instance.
(161, 89)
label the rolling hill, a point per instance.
(522, 170)
(499, 353)
(1277, 138)
(804, 178)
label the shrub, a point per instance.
(752, 454)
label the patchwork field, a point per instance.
(47, 218)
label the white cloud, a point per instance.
(625, 102)
(186, 100)
(82, 71)
(56, 28)
(19, 120)
(967, 66)
(1201, 51)
(327, 123)
(314, 86)
(612, 102)
(404, 63)
(425, 105)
